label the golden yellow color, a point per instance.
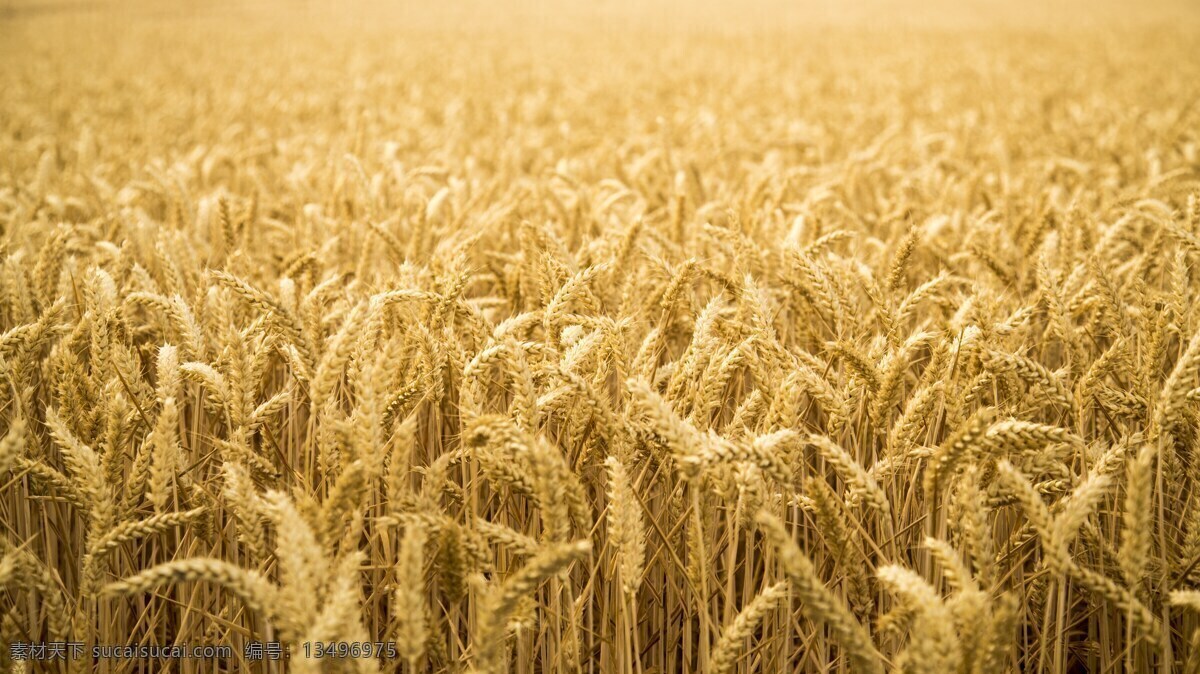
(602, 337)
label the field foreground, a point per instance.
(495, 337)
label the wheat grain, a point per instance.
(387, 349)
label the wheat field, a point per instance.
(616, 337)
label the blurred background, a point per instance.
(663, 15)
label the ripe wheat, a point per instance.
(588, 339)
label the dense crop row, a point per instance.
(547, 349)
